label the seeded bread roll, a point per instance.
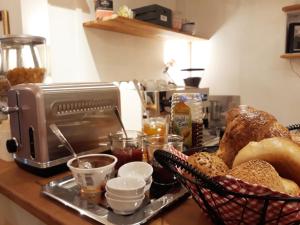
(282, 153)
(258, 172)
(290, 187)
(208, 163)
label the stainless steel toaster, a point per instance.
(82, 111)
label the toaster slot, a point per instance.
(31, 142)
(80, 106)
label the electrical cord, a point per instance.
(293, 69)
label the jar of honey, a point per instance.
(155, 126)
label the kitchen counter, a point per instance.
(24, 189)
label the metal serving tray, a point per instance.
(67, 192)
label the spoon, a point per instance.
(120, 121)
(63, 140)
(135, 82)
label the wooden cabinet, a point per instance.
(139, 28)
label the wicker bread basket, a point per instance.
(230, 201)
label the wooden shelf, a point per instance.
(140, 28)
(291, 8)
(292, 11)
(291, 56)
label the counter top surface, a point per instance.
(24, 189)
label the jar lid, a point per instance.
(184, 97)
(22, 39)
(132, 136)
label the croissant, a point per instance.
(246, 124)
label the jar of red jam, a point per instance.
(127, 149)
(152, 143)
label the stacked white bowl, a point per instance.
(137, 169)
(125, 194)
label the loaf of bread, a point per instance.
(246, 124)
(208, 163)
(282, 153)
(258, 172)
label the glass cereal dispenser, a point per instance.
(23, 59)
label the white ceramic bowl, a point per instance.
(148, 184)
(124, 207)
(93, 179)
(126, 186)
(123, 197)
(189, 28)
(136, 169)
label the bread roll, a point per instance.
(258, 172)
(282, 153)
(208, 163)
(290, 187)
(246, 124)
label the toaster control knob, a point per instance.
(12, 145)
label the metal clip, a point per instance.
(8, 110)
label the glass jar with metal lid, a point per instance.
(23, 58)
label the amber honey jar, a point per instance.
(155, 126)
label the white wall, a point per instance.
(218, 21)
(84, 54)
(267, 81)
(243, 53)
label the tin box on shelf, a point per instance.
(154, 14)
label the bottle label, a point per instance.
(182, 125)
(164, 18)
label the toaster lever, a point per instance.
(8, 110)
